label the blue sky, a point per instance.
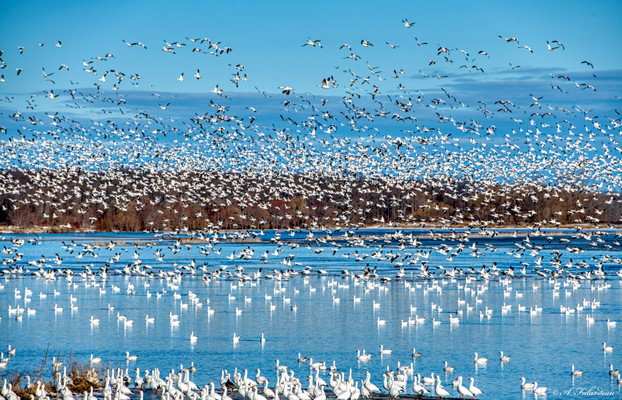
(266, 37)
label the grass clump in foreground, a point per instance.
(78, 377)
(81, 377)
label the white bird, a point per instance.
(539, 389)
(464, 392)
(286, 89)
(476, 391)
(526, 386)
(439, 390)
(280, 367)
(407, 24)
(447, 368)
(429, 380)
(362, 357)
(267, 391)
(395, 388)
(575, 372)
(480, 360)
(257, 396)
(224, 395)
(418, 387)
(261, 380)
(369, 385)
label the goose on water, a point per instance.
(539, 389)
(480, 360)
(575, 372)
(447, 368)
(526, 386)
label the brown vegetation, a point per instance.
(137, 200)
(81, 377)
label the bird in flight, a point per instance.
(549, 47)
(312, 43)
(286, 89)
(557, 42)
(510, 39)
(135, 44)
(328, 83)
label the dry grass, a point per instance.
(81, 377)
(17, 381)
(22, 388)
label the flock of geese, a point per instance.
(103, 140)
(178, 385)
(365, 121)
(150, 264)
(536, 252)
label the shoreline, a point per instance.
(475, 231)
(367, 234)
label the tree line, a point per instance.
(145, 200)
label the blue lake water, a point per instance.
(326, 317)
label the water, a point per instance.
(325, 317)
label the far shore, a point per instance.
(499, 230)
